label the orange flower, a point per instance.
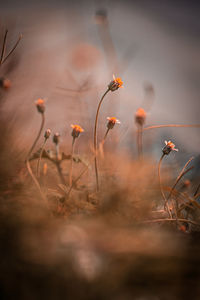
(112, 121)
(169, 146)
(140, 116)
(76, 130)
(5, 83)
(115, 84)
(40, 105)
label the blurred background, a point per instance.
(70, 49)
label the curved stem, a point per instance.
(71, 163)
(171, 125)
(39, 159)
(37, 138)
(95, 139)
(13, 49)
(34, 179)
(4, 47)
(163, 195)
(181, 174)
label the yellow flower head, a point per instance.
(40, 105)
(112, 121)
(169, 146)
(140, 116)
(76, 130)
(115, 84)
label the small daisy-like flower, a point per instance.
(76, 130)
(5, 83)
(115, 84)
(169, 146)
(40, 105)
(47, 134)
(112, 121)
(140, 116)
(56, 138)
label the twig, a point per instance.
(171, 125)
(181, 174)
(4, 47)
(13, 49)
(172, 220)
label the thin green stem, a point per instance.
(95, 139)
(163, 194)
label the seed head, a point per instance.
(40, 105)
(140, 116)
(115, 84)
(112, 121)
(76, 130)
(56, 138)
(169, 146)
(47, 134)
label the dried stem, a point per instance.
(4, 47)
(196, 192)
(181, 174)
(34, 179)
(172, 220)
(39, 160)
(37, 138)
(13, 49)
(139, 140)
(163, 195)
(95, 139)
(58, 162)
(27, 159)
(171, 125)
(71, 163)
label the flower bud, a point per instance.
(169, 146)
(140, 116)
(111, 122)
(5, 83)
(115, 84)
(56, 138)
(47, 134)
(76, 130)
(40, 105)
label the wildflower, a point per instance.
(5, 83)
(40, 105)
(76, 130)
(56, 138)
(112, 121)
(47, 134)
(169, 146)
(140, 116)
(115, 84)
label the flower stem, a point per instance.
(171, 125)
(37, 138)
(139, 140)
(29, 153)
(95, 139)
(39, 159)
(71, 163)
(163, 195)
